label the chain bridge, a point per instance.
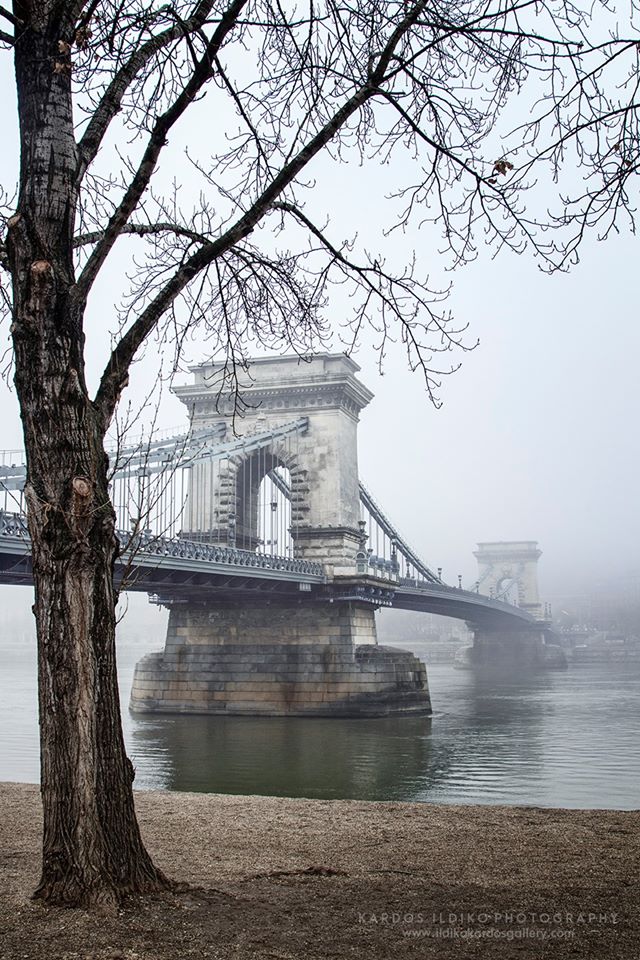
(256, 531)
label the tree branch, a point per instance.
(116, 371)
(6, 15)
(243, 113)
(368, 274)
(7, 38)
(80, 14)
(438, 147)
(112, 99)
(142, 230)
(157, 141)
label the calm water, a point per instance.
(561, 739)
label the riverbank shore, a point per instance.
(288, 879)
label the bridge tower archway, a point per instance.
(321, 457)
(508, 570)
(275, 525)
(257, 482)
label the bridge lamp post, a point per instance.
(274, 507)
(362, 556)
(394, 559)
(232, 530)
(362, 562)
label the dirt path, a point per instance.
(313, 879)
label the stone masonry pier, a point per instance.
(273, 656)
(318, 659)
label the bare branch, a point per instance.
(6, 15)
(397, 295)
(115, 373)
(202, 73)
(142, 230)
(112, 99)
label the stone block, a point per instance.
(278, 660)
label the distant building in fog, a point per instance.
(607, 605)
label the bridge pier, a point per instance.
(509, 649)
(278, 659)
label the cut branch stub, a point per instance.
(81, 487)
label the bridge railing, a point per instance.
(183, 489)
(12, 476)
(13, 527)
(186, 486)
(182, 549)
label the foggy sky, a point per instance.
(537, 438)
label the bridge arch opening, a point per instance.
(274, 513)
(507, 588)
(263, 509)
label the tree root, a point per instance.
(307, 872)
(103, 896)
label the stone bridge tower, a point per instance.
(263, 654)
(504, 564)
(323, 463)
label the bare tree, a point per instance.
(358, 79)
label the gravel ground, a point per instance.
(281, 879)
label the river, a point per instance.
(567, 738)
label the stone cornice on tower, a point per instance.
(504, 550)
(274, 384)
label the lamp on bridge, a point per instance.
(362, 556)
(231, 535)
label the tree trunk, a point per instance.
(92, 851)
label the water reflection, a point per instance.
(494, 739)
(561, 739)
(373, 759)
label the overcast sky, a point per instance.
(538, 434)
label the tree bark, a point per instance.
(92, 849)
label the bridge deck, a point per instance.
(187, 570)
(156, 564)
